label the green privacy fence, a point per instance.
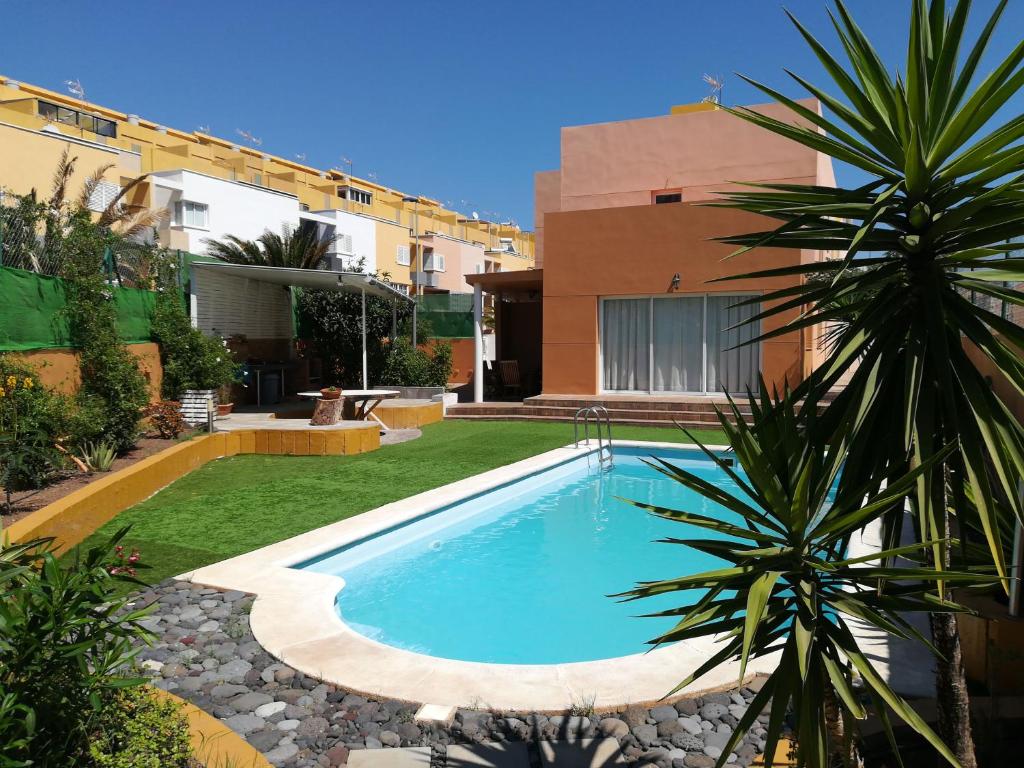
(450, 315)
(31, 315)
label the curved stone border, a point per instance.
(204, 651)
(294, 618)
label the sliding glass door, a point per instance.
(678, 344)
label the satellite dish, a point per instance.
(476, 216)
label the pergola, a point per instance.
(316, 279)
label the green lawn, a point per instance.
(237, 504)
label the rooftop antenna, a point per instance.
(371, 176)
(301, 157)
(717, 83)
(75, 88)
(203, 129)
(347, 162)
(249, 137)
(476, 216)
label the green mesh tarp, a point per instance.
(31, 315)
(450, 315)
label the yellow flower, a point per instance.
(28, 383)
(2, 391)
(12, 381)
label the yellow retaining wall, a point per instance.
(215, 745)
(72, 519)
(409, 416)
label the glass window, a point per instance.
(626, 344)
(192, 214)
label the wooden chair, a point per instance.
(510, 378)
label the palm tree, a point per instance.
(789, 588)
(933, 223)
(302, 248)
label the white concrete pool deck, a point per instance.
(294, 618)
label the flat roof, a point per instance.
(522, 279)
(319, 279)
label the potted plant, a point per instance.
(330, 393)
(224, 402)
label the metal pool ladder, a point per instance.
(604, 445)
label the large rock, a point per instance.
(645, 735)
(661, 714)
(245, 723)
(247, 702)
(613, 727)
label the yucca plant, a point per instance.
(788, 586)
(932, 227)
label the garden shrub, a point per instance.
(66, 642)
(109, 371)
(409, 367)
(32, 421)
(165, 417)
(135, 729)
(190, 358)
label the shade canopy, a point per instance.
(320, 279)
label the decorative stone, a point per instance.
(613, 727)
(661, 714)
(244, 723)
(646, 735)
(270, 708)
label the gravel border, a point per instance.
(205, 652)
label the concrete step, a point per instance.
(698, 424)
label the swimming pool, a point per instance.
(522, 573)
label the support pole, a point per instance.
(414, 324)
(478, 343)
(394, 321)
(365, 384)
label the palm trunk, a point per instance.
(952, 699)
(843, 749)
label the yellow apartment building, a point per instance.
(212, 187)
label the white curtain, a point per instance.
(626, 344)
(679, 344)
(733, 364)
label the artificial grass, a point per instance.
(241, 503)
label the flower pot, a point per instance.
(193, 405)
(328, 394)
(223, 409)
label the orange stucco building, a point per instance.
(626, 258)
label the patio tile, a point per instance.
(488, 755)
(435, 713)
(585, 753)
(405, 757)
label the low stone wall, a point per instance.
(414, 393)
(72, 519)
(407, 416)
(205, 652)
(215, 745)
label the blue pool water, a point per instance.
(522, 574)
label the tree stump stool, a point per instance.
(327, 412)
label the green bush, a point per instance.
(110, 373)
(32, 421)
(65, 644)
(409, 367)
(135, 729)
(190, 358)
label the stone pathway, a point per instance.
(396, 436)
(206, 653)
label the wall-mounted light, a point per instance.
(675, 282)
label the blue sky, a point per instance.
(459, 101)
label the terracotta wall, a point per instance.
(58, 368)
(629, 251)
(547, 198)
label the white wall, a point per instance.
(235, 208)
(227, 305)
(363, 233)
